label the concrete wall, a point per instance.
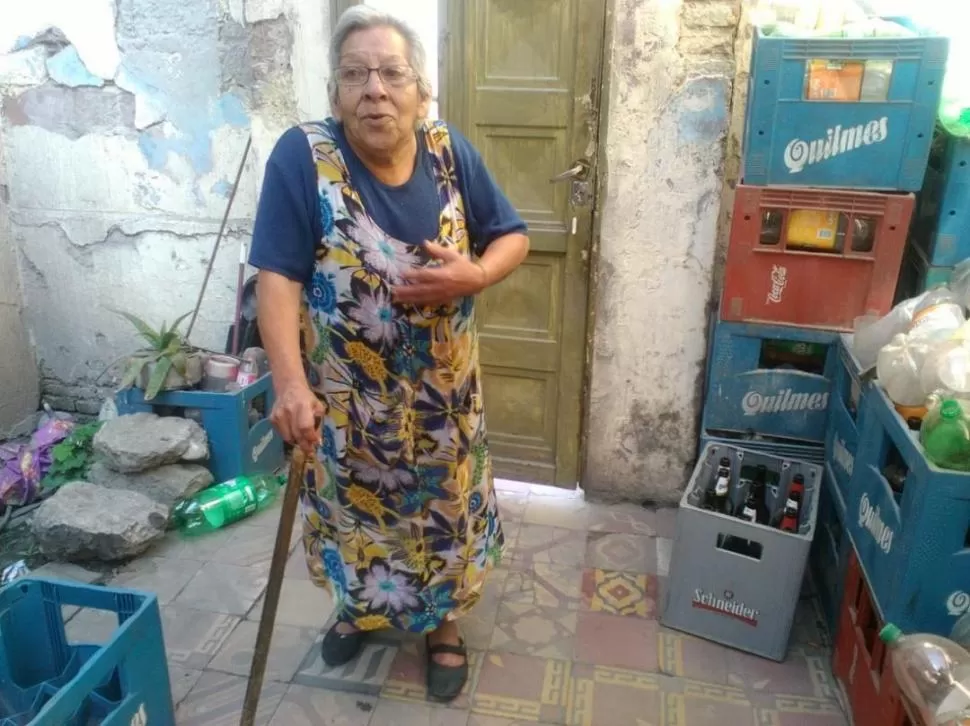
(669, 107)
(123, 126)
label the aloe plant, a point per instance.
(167, 350)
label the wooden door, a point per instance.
(521, 79)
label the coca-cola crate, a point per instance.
(742, 596)
(770, 380)
(838, 112)
(845, 412)
(860, 660)
(914, 544)
(943, 231)
(785, 264)
(829, 555)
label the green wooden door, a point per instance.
(521, 79)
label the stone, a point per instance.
(142, 441)
(166, 485)
(84, 522)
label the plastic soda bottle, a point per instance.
(945, 436)
(933, 674)
(225, 503)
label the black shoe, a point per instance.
(445, 682)
(338, 648)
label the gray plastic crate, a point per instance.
(737, 599)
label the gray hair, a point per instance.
(362, 17)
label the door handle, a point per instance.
(578, 172)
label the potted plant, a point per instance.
(169, 363)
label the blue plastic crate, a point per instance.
(881, 144)
(917, 275)
(47, 681)
(845, 413)
(750, 391)
(236, 448)
(829, 556)
(913, 545)
(944, 219)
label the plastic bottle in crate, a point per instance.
(933, 674)
(225, 503)
(945, 436)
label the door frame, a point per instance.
(599, 101)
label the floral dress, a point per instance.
(400, 520)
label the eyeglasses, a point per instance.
(395, 76)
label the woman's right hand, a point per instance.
(297, 414)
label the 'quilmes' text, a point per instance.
(837, 141)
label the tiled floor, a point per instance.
(566, 634)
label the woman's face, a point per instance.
(378, 116)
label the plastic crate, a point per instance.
(236, 448)
(741, 600)
(47, 681)
(944, 235)
(770, 379)
(767, 279)
(912, 545)
(860, 661)
(772, 445)
(792, 139)
(917, 275)
(845, 415)
(829, 554)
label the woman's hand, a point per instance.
(296, 415)
(456, 277)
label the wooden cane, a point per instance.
(267, 620)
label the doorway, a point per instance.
(521, 79)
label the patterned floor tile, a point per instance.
(557, 512)
(303, 706)
(296, 565)
(250, 546)
(665, 548)
(665, 522)
(193, 637)
(163, 576)
(217, 699)
(622, 519)
(477, 625)
(703, 704)
(617, 641)
(479, 720)
(534, 630)
(603, 695)
(223, 588)
(288, 649)
(523, 688)
(201, 547)
(622, 552)
(365, 674)
(684, 656)
(407, 679)
(556, 586)
(549, 545)
(797, 676)
(302, 604)
(775, 710)
(620, 593)
(512, 505)
(395, 713)
(92, 626)
(182, 680)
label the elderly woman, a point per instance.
(376, 229)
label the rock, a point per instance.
(165, 485)
(143, 441)
(84, 521)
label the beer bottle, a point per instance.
(789, 520)
(758, 486)
(719, 498)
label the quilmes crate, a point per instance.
(237, 445)
(770, 380)
(944, 219)
(813, 258)
(744, 597)
(829, 556)
(860, 661)
(47, 681)
(913, 543)
(917, 275)
(845, 413)
(837, 112)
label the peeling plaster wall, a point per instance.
(669, 107)
(123, 126)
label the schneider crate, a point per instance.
(813, 258)
(944, 217)
(838, 112)
(769, 380)
(910, 523)
(733, 581)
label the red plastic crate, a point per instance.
(770, 278)
(860, 660)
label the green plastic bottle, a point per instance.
(945, 436)
(225, 503)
